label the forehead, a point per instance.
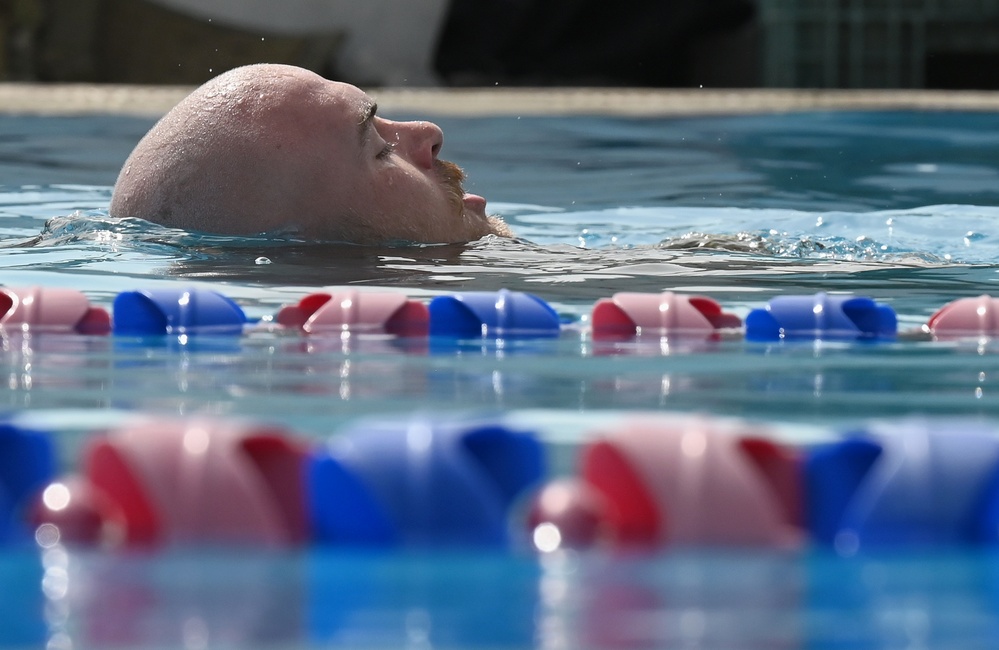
(319, 129)
(340, 106)
(349, 99)
(267, 96)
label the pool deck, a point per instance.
(79, 99)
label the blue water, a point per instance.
(898, 206)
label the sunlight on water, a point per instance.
(896, 206)
(936, 234)
(916, 260)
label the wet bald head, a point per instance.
(271, 147)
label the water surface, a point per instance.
(898, 206)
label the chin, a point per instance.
(498, 227)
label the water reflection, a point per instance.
(450, 600)
(684, 600)
(312, 264)
(700, 600)
(38, 368)
(335, 376)
(202, 600)
(22, 602)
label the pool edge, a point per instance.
(138, 100)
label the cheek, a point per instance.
(409, 192)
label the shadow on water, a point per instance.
(738, 266)
(317, 264)
(570, 274)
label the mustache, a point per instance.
(452, 176)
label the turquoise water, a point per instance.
(897, 206)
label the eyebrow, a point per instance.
(364, 125)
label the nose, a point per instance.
(422, 142)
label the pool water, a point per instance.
(894, 205)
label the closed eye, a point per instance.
(386, 151)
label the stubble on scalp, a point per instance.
(201, 167)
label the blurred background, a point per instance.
(950, 44)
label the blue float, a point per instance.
(821, 316)
(27, 465)
(915, 483)
(421, 482)
(180, 311)
(492, 314)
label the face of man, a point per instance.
(271, 147)
(375, 179)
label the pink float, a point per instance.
(168, 481)
(966, 317)
(357, 311)
(627, 315)
(41, 309)
(684, 481)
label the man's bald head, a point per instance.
(270, 147)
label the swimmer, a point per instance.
(269, 148)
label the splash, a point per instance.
(946, 234)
